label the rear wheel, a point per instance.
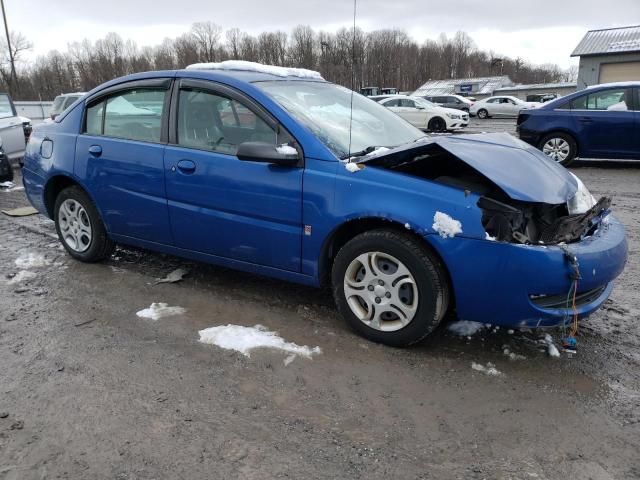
(80, 227)
(482, 114)
(437, 124)
(389, 288)
(559, 147)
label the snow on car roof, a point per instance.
(242, 65)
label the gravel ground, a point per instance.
(89, 390)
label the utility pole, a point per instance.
(6, 31)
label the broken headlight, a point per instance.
(582, 201)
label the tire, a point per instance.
(6, 170)
(466, 110)
(483, 114)
(560, 147)
(424, 276)
(74, 211)
(437, 124)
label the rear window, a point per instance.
(617, 99)
(58, 104)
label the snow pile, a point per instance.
(22, 275)
(6, 184)
(159, 310)
(446, 226)
(244, 339)
(465, 328)
(489, 237)
(286, 150)
(30, 260)
(490, 369)
(352, 167)
(243, 65)
(552, 350)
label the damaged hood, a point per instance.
(521, 171)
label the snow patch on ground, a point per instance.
(446, 226)
(489, 237)
(244, 339)
(552, 350)
(465, 328)
(490, 369)
(28, 259)
(256, 67)
(159, 310)
(22, 275)
(6, 184)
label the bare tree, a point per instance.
(206, 36)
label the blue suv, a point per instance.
(275, 171)
(602, 121)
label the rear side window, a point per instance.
(618, 99)
(132, 115)
(393, 103)
(208, 121)
(407, 103)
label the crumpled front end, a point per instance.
(520, 285)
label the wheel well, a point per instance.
(351, 229)
(54, 186)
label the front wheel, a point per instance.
(389, 288)
(559, 147)
(437, 124)
(80, 227)
(482, 114)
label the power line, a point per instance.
(6, 31)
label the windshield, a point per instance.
(324, 108)
(6, 110)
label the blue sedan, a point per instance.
(602, 121)
(277, 172)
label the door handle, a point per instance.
(95, 150)
(585, 120)
(186, 166)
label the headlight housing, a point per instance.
(582, 201)
(453, 116)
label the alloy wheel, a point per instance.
(558, 149)
(381, 291)
(75, 226)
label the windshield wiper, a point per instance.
(361, 153)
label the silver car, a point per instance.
(502, 106)
(12, 132)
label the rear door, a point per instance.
(119, 156)
(11, 131)
(218, 204)
(606, 124)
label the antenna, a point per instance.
(353, 75)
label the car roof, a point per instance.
(614, 84)
(71, 94)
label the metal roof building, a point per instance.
(523, 91)
(609, 55)
(477, 87)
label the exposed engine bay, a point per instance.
(503, 218)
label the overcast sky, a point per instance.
(540, 31)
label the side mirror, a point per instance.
(268, 153)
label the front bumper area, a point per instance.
(506, 284)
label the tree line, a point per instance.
(385, 58)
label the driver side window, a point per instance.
(208, 121)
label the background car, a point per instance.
(425, 115)
(602, 121)
(61, 102)
(502, 106)
(12, 130)
(450, 101)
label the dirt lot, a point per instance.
(90, 391)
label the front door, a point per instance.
(606, 124)
(221, 205)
